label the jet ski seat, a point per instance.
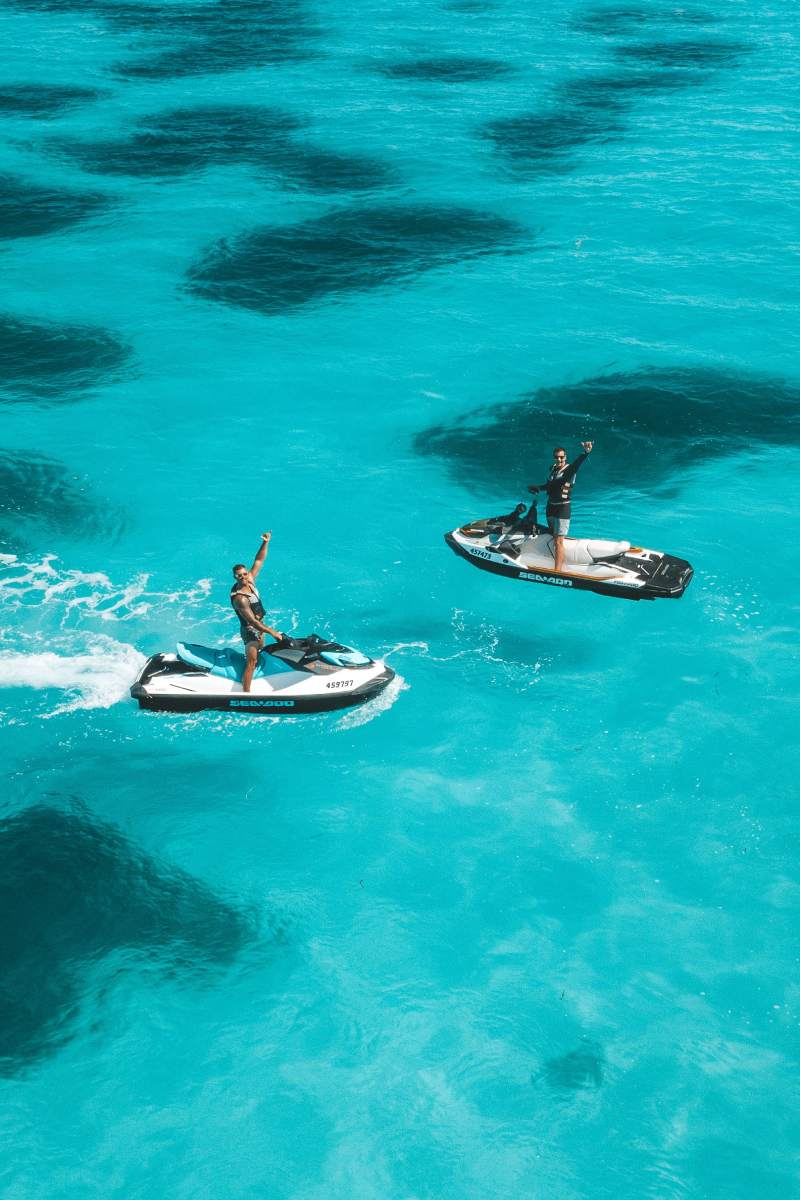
(314, 648)
(226, 662)
(585, 551)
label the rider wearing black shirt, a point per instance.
(558, 485)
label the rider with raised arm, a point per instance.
(248, 607)
(558, 486)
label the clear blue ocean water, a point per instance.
(526, 926)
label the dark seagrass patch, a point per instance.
(578, 1069)
(277, 269)
(622, 20)
(40, 497)
(42, 99)
(446, 69)
(79, 891)
(52, 363)
(185, 140)
(699, 55)
(200, 38)
(650, 426)
(31, 210)
(595, 108)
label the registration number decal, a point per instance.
(337, 683)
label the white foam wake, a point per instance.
(75, 595)
(374, 708)
(401, 646)
(96, 678)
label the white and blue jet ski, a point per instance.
(297, 675)
(519, 548)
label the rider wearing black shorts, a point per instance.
(248, 607)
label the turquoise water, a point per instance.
(526, 925)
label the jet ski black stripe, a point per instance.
(255, 704)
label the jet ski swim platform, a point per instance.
(298, 675)
(524, 550)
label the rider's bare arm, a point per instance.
(258, 561)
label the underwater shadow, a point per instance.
(185, 140)
(30, 210)
(653, 425)
(199, 39)
(225, 35)
(38, 495)
(43, 100)
(596, 108)
(694, 55)
(277, 269)
(622, 20)
(55, 363)
(80, 891)
(573, 1072)
(446, 69)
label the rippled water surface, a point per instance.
(526, 925)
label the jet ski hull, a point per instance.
(637, 574)
(166, 684)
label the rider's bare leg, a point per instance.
(251, 654)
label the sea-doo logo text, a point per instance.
(554, 582)
(478, 552)
(262, 703)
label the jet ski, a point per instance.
(519, 547)
(296, 675)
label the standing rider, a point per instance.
(250, 611)
(558, 486)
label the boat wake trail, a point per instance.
(71, 596)
(97, 676)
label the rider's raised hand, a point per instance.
(587, 446)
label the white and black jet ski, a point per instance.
(297, 675)
(519, 548)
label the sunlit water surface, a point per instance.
(526, 925)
